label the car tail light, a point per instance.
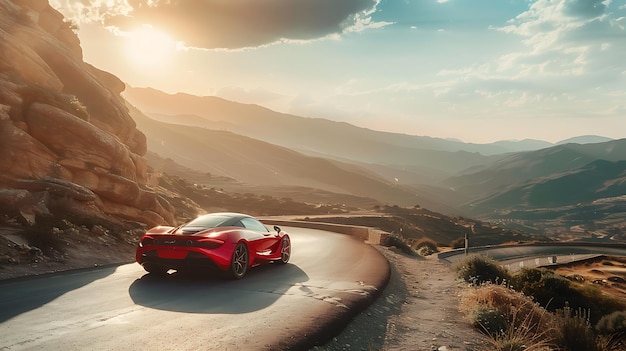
(146, 241)
(209, 243)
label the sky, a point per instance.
(473, 70)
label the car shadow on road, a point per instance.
(210, 293)
(21, 295)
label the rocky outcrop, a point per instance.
(68, 146)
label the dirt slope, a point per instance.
(419, 310)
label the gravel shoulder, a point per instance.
(418, 310)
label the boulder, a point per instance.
(68, 146)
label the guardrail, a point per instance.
(549, 250)
(369, 235)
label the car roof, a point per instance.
(218, 219)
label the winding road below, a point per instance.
(330, 278)
(515, 257)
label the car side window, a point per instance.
(253, 224)
(238, 224)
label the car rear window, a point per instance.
(210, 221)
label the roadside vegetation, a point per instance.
(537, 309)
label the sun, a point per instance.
(149, 47)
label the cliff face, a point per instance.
(68, 146)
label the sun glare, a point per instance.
(149, 47)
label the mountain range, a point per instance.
(336, 157)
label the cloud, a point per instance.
(570, 45)
(229, 24)
(584, 8)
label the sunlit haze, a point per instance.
(149, 48)
(478, 70)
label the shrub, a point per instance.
(512, 320)
(426, 247)
(458, 243)
(554, 292)
(612, 323)
(549, 289)
(574, 331)
(400, 243)
(488, 319)
(591, 297)
(612, 330)
(479, 269)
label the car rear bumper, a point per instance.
(186, 260)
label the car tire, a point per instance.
(285, 250)
(240, 261)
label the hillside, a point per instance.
(596, 180)
(258, 163)
(569, 191)
(415, 224)
(519, 168)
(426, 157)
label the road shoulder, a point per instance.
(418, 310)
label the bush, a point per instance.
(479, 269)
(554, 292)
(550, 290)
(612, 323)
(512, 320)
(591, 297)
(612, 331)
(458, 243)
(488, 319)
(400, 243)
(426, 247)
(574, 331)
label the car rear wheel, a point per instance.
(155, 269)
(239, 262)
(285, 250)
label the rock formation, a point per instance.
(68, 146)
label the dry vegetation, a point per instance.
(538, 309)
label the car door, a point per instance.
(267, 238)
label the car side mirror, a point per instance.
(277, 229)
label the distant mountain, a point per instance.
(442, 174)
(261, 164)
(520, 168)
(585, 139)
(521, 145)
(596, 180)
(316, 136)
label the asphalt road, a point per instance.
(329, 279)
(510, 255)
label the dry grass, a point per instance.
(514, 321)
(520, 323)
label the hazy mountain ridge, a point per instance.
(585, 139)
(594, 181)
(217, 113)
(522, 167)
(312, 135)
(258, 163)
(444, 174)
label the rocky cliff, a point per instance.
(67, 143)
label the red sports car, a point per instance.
(230, 242)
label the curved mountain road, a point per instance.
(515, 257)
(329, 279)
